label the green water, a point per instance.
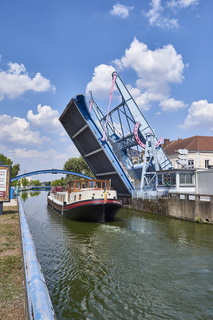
(141, 266)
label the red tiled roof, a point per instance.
(196, 143)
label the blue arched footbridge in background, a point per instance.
(54, 171)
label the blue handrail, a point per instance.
(39, 305)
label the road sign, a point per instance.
(4, 183)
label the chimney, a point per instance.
(166, 143)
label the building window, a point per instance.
(160, 179)
(206, 163)
(186, 178)
(173, 179)
(167, 179)
(190, 164)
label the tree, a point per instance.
(36, 183)
(15, 169)
(8, 162)
(24, 182)
(57, 182)
(77, 165)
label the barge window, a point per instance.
(98, 184)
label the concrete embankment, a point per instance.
(197, 208)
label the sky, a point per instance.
(52, 50)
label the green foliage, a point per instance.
(57, 182)
(77, 165)
(15, 183)
(15, 170)
(5, 160)
(36, 183)
(8, 162)
(24, 182)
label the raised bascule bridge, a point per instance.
(117, 144)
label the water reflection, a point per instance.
(26, 194)
(141, 266)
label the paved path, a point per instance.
(12, 203)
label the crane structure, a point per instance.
(132, 139)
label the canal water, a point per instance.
(141, 266)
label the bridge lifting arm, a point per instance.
(130, 135)
(161, 160)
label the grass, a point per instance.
(11, 268)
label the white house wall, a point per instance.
(198, 158)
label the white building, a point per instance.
(199, 155)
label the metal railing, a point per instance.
(192, 197)
(140, 194)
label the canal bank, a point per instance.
(12, 290)
(196, 208)
(24, 294)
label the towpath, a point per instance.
(11, 269)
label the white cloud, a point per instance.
(15, 81)
(182, 3)
(200, 116)
(152, 66)
(155, 11)
(159, 15)
(156, 70)
(47, 118)
(121, 11)
(155, 16)
(101, 81)
(16, 130)
(34, 159)
(36, 154)
(172, 105)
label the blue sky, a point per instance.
(51, 51)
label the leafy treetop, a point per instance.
(77, 165)
(14, 168)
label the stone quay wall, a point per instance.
(197, 208)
